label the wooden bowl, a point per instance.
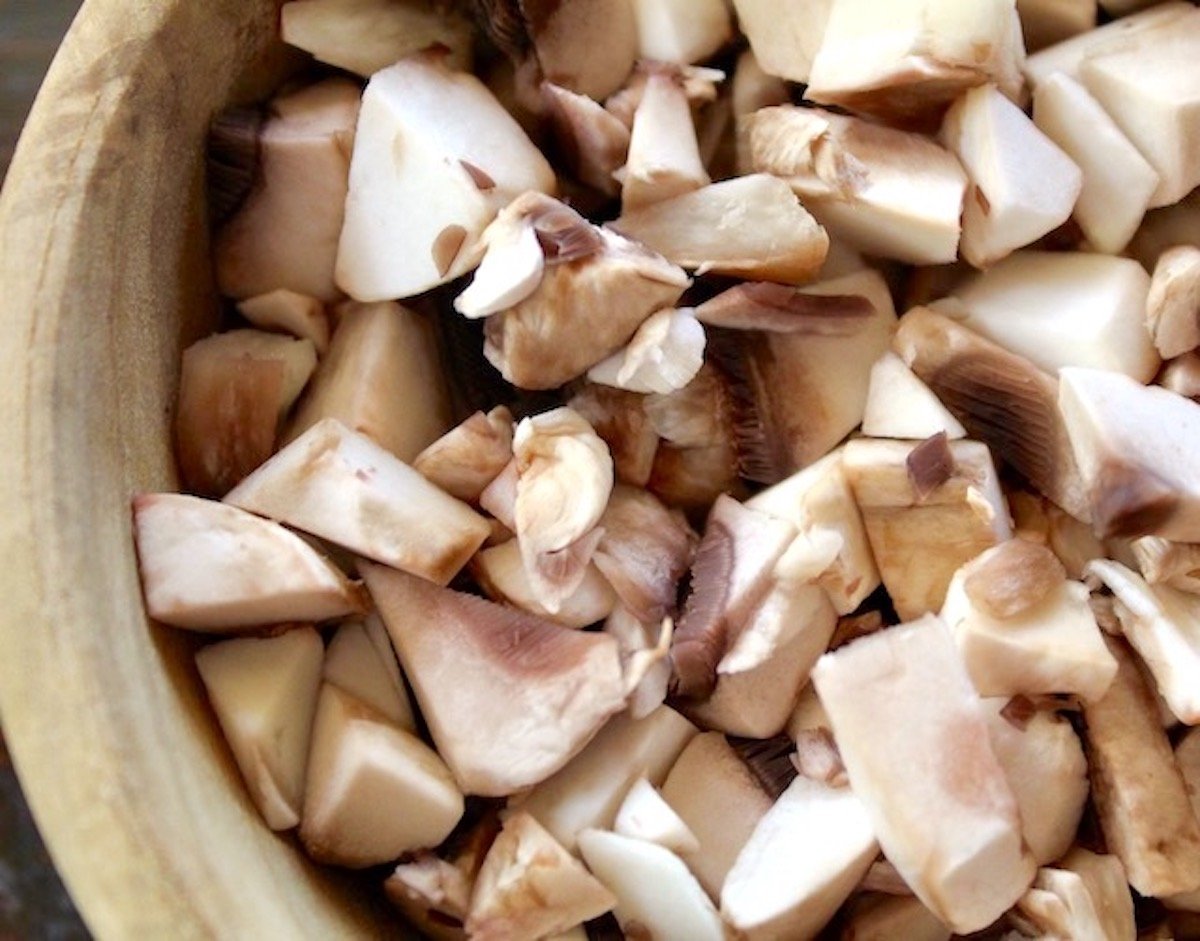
(106, 276)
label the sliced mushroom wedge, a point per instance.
(545, 693)
(210, 567)
(344, 487)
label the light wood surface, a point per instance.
(103, 263)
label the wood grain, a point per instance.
(104, 262)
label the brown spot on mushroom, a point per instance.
(1131, 501)
(1013, 578)
(447, 246)
(769, 760)
(1019, 712)
(483, 182)
(930, 464)
(778, 308)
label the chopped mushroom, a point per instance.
(682, 31)
(1118, 183)
(1168, 563)
(564, 481)
(360, 660)
(1182, 376)
(593, 142)
(432, 894)
(436, 138)
(1023, 628)
(264, 692)
(656, 895)
(899, 405)
(381, 354)
(589, 791)
(909, 63)
(1093, 902)
(747, 227)
(663, 356)
(342, 486)
(522, 718)
(288, 312)
(920, 544)
(210, 567)
(623, 422)
(360, 768)
(1133, 445)
(784, 36)
(501, 573)
(1002, 399)
(1173, 302)
(1022, 184)
(285, 234)
(644, 815)
(529, 887)
(915, 739)
(588, 46)
(699, 83)
(365, 36)
(1063, 309)
(645, 658)
(466, 459)
(235, 389)
(885, 191)
(803, 860)
(1139, 793)
(664, 156)
(1163, 625)
(753, 88)
(721, 800)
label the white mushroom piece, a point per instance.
(360, 768)
(1083, 896)
(593, 142)
(235, 391)
(423, 130)
(1061, 309)
(1022, 184)
(1134, 446)
(381, 354)
(623, 422)
(683, 31)
(1002, 399)
(928, 508)
(590, 790)
(885, 191)
(210, 567)
(899, 405)
(784, 36)
(560, 294)
(1023, 628)
(466, 459)
(366, 36)
(663, 356)
(501, 573)
(747, 227)
(285, 234)
(1137, 787)
(530, 887)
(360, 660)
(264, 692)
(644, 815)
(1173, 302)
(342, 486)
(285, 311)
(916, 739)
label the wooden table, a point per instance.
(33, 903)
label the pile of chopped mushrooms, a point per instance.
(679, 470)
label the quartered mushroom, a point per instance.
(623, 422)
(925, 520)
(1023, 628)
(663, 160)
(888, 192)
(656, 895)
(1173, 302)
(466, 459)
(501, 573)
(1083, 896)
(235, 390)
(424, 130)
(593, 142)
(682, 31)
(1139, 793)
(529, 887)
(784, 37)
(589, 791)
(360, 768)
(746, 227)
(264, 692)
(802, 862)
(899, 405)
(1022, 184)
(905, 63)
(285, 311)
(1063, 309)
(544, 694)
(968, 862)
(1118, 182)
(1133, 445)
(663, 356)
(360, 661)
(564, 481)
(342, 486)
(381, 354)
(1044, 764)
(644, 815)
(366, 36)
(1001, 398)
(285, 235)
(210, 567)
(721, 800)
